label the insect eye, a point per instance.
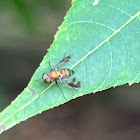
(44, 75)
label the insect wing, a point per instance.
(75, 84)
(63, 62)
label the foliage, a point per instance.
(103, 37)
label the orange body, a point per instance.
(61, 73)
(56, 74)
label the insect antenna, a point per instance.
(60, 90)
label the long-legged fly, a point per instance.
(61, 75)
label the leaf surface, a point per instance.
(103, 37)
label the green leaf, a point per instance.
(103, 37)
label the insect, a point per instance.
(61, 75)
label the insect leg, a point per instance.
(60, 90)
(49, 83)
(72, 87)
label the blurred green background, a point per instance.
(27, 28)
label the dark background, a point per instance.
(27, 28)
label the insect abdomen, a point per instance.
(54, 74)
(71, 72)
(66, 72)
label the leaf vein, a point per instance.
(117, 9)
(26, 104)
(110, 69)
(80, 47)
(114, 33)
(93, 22)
